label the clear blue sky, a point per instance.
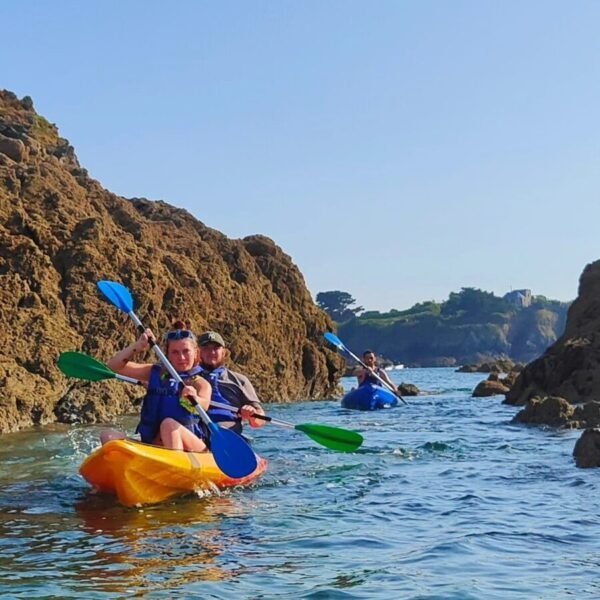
(396, 150)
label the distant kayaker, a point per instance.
(367, 375)
(164, 420)
(228, 387)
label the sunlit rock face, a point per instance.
(61, 232)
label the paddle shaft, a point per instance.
(222, 405)
(333, 438)
(169, 367)
(255, 416)
(129, 379)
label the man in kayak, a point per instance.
(367, 375)
(228, 387)
(164, 420)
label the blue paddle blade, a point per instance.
(334, 340)
(117, 294)
(232, 454)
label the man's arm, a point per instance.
(361, 375)
(253, 406)
(247, 397)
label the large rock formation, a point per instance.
(562, 387)
(570, 368)
(61, 232)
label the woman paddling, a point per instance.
(164, 420)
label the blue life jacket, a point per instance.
(370, 379)
(219, 415)
(162, 401)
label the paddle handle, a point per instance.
(261, 417)
(129, 379)
(163, 359)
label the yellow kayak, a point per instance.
(144, 474)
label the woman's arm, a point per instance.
(121, 362)
(203, 391)
(252, 405)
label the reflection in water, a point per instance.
(169, 545)
(100, 546)
(59, 537)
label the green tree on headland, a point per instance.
(473, 301)
(337, 305)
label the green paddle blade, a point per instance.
(82, 366)
(334, 438)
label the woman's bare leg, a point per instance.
(191, 441)
(169, 434)
(175, 436)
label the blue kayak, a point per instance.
(369, 397)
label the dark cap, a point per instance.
(211, 337)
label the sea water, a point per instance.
(446, 499)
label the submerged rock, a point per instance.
(489, 387)
(552, 410)
(587, 449)
(408, 389)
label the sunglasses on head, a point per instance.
(180, 334)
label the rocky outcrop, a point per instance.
(490, 387)
(587, 449)
(408, 389)
(561, 388)
(498, 366)
(552, 411)
(13, 149)
(495, 385)
(61, 232)
(570, 368)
